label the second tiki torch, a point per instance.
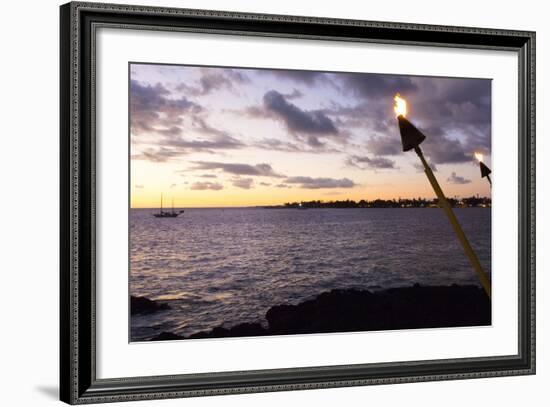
(485, 171)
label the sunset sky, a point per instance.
(213, 137)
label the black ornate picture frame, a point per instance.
(78, 381)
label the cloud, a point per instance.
(477, 91)
(215, 138)
(202, 126)
(295, 94)
(306, 125)
(296, 119)
(214, 79)
(374, 162)
(303, 77)
(355, 118)
(372, 86)
(173, 147)
(369, 116)
(460, 106)
(208, 176)
(456, 179)
(438, 146)
(264, 170)
(217, 142)
(454, 112)
(282, 186)
(442, 149)
(384, 145)
(244, 183)
(170, 132)
(320, 183)
(420, 168)
(273, 144)
(265, 184)
(173, 144)
(139, 186)
(202, 186)
(153, 108)
(278, 145)
(157, 155)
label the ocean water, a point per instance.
(228, 266)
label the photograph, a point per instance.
(293, 202)
(256, 201)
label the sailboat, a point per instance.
(165, 214)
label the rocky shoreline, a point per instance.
(352, 310)
(143, 305)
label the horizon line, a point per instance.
(314, 200)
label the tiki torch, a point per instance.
(485, 171)
(411, 138)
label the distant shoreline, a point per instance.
(284, 207)
(471, 202)
(400, 203)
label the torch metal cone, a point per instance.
(411, 137)
(485, 171)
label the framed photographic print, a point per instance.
(256, 203)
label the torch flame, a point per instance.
(400, 106)
(479, 156)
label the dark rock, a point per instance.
(361, 310)
(396, 308)
(240, 330)
(248, 329)
(166, 336)
(143, 305)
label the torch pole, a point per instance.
(489, 179)
(444, 204)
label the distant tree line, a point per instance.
(471, 202)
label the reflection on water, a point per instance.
(231, 265)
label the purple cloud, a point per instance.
(456, 179)
(202, 186)
(320, 183)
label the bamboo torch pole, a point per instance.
(411, 138)
(444, 204)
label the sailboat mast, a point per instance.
(161, 202)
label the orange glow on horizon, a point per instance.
(185, 198)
